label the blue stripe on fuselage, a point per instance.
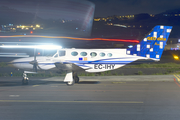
(100, 62)
(81, 62)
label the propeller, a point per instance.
(34, 62)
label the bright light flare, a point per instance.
(47, 47)
(176, 57)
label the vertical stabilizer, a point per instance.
(153, 44)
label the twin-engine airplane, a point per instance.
(97, 60)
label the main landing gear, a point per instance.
(71, 78)
(75, 77)
(25, 79)
(75, 80)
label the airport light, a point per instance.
(37, 26)
(47, 47)
(130, 46)
(176, 57)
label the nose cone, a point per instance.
(13, 63)
(22, 63)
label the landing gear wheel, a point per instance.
(70, 83)
(25, 81)
(76, 79)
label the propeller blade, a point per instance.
(35, 61)
(35, 67)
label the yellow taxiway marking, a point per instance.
(54, 86)
(118, 82)
(134, 84)
(35, 85)
(105, 85)
(124, 83)
(36, 101)
(178, 78)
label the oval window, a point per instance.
(102, 54)
(109, 55)
(83, 53)
(93, 54)
(74, 53)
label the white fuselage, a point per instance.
(89, 60)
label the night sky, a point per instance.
(104, 8)
(123, 7)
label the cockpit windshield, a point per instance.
(50, 53)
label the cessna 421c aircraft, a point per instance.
(97, 60)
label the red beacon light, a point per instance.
(31, 32)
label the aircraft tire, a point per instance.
(25, 81)
(76, 79)
(70, 83)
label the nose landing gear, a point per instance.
(25, 79)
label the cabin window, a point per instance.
(83, 53)
(93, 54)
(102, 54)
(109, 55)
(62, 53)
(74, 53)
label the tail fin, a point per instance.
(153, 44)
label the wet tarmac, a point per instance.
(107, 98)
